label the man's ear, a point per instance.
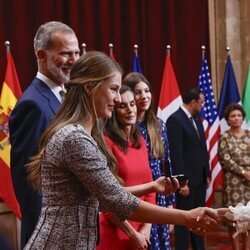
(41, 55)
(193, 102)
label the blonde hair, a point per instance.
(91, 68)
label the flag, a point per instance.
(229, 93)
(170, 99)
(136, 64)
(112, 55)
(11, 91)
(211, 124)
(246, 99)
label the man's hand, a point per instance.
(184, 191)
(208, 181)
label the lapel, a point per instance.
(198, 125)
(189, 127)
(45, 91)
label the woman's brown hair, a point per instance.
(232, 107)
(152, 123)
(113, 129)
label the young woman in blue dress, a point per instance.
(154, 132)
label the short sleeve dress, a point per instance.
(134, 169)
(234, 157)
(75, 179)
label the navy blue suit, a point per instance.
(28, 120)
(189, 156)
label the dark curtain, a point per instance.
(152, 24)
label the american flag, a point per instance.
(211, 124)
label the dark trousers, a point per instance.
(195, 199)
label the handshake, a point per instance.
(202, 219)
(198, 220)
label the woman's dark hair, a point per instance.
(232, 107)
(113, 129)
(152, 123)
(191, 94)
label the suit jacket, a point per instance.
(28, 120)
(188, 151)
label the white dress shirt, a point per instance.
(52, 85)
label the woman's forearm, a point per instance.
(149, 213)
(125, 226)
(142, 189)
(205, 218)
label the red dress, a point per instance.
(133, 168)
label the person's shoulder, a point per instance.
(162, 124)
(73, 130)
(31, 92)
(32, 97)
(175, 116)
(225, 134)
(73, 133)
(160, 121)
(247, 132)
(75, 137)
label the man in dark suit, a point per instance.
(188, 153)
(56, 48)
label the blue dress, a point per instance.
(160, 238)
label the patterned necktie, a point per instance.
(62, 93)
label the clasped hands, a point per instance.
(204, 219)
(199, 220)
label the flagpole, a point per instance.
(136, 47)
(111, 46)
(7, 44)
(84, 48)
(203, 51)
(168, 49)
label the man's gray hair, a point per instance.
(44, 35)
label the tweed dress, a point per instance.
(75, 179)
(234, 156)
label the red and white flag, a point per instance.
(170, 98)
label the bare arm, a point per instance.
(138, 239)
(162, 185)
(198, 217)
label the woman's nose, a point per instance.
(117, 98)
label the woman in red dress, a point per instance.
(128, 146)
